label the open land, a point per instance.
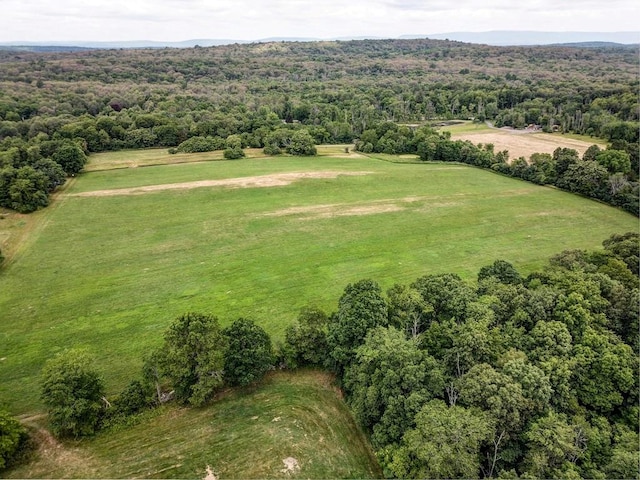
(110, 272)
(291, 425)
(521, 143)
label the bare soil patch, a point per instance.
(336, 210)
(291, 465)
(522, 144)
(209, 474)
(273, 180)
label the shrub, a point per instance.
(13, 440)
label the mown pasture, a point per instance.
(289, 426)
(109, 272)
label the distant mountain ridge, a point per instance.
(497, 37)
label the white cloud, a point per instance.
(173, 20)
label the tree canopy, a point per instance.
(73, 390)
(191, 358)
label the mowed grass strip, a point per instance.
(109, 274)
(246, 434)
(161, 156)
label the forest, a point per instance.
(57, 108)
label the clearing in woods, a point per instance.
(520, 143)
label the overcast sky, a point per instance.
(176, 20)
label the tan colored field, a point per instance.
(521, 144)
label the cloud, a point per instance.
(254, 19)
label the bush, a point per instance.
(233, 153)
(13, 440)
(272, 150)
(200, 144)
(133, 399)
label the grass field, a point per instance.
(110, 272)
(245, 434)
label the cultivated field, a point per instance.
(520, 143)
(120, 254)
(292, 425)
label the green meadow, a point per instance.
(296, 418)
(108, 273)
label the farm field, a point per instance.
(521, 143)
(122, 252)
(291, 425)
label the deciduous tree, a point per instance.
(72, 391)
(248, 355)
(192, 357)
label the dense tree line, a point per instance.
(30, 172)
(506, 377)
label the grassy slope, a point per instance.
(110, 273)
(246, 434)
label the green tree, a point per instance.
(248, 355)
(591, 153)
(586, 178)
(605, 371)
(28, 191)
(446, 293)
(564, 158)
(306, 341)
(551, 442)
(200, 144)
(389, 381)
(615, 161)
(192, 357)
(408, 311)
(301, 143)
(623, 462)
(234, 148)
(360, 308)
(502, 270)
(445, 443)
(53, 171)
(71, 158)
(13, 439)
(72, 392)
(627, 248)
(496, 393)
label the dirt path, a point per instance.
(274, 180)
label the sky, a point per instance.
(177, 20)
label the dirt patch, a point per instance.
(291, 465)
(336, 210)
(523, 145)
(56, 456)
(273, 180)
(311, 212)
(210, 475)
